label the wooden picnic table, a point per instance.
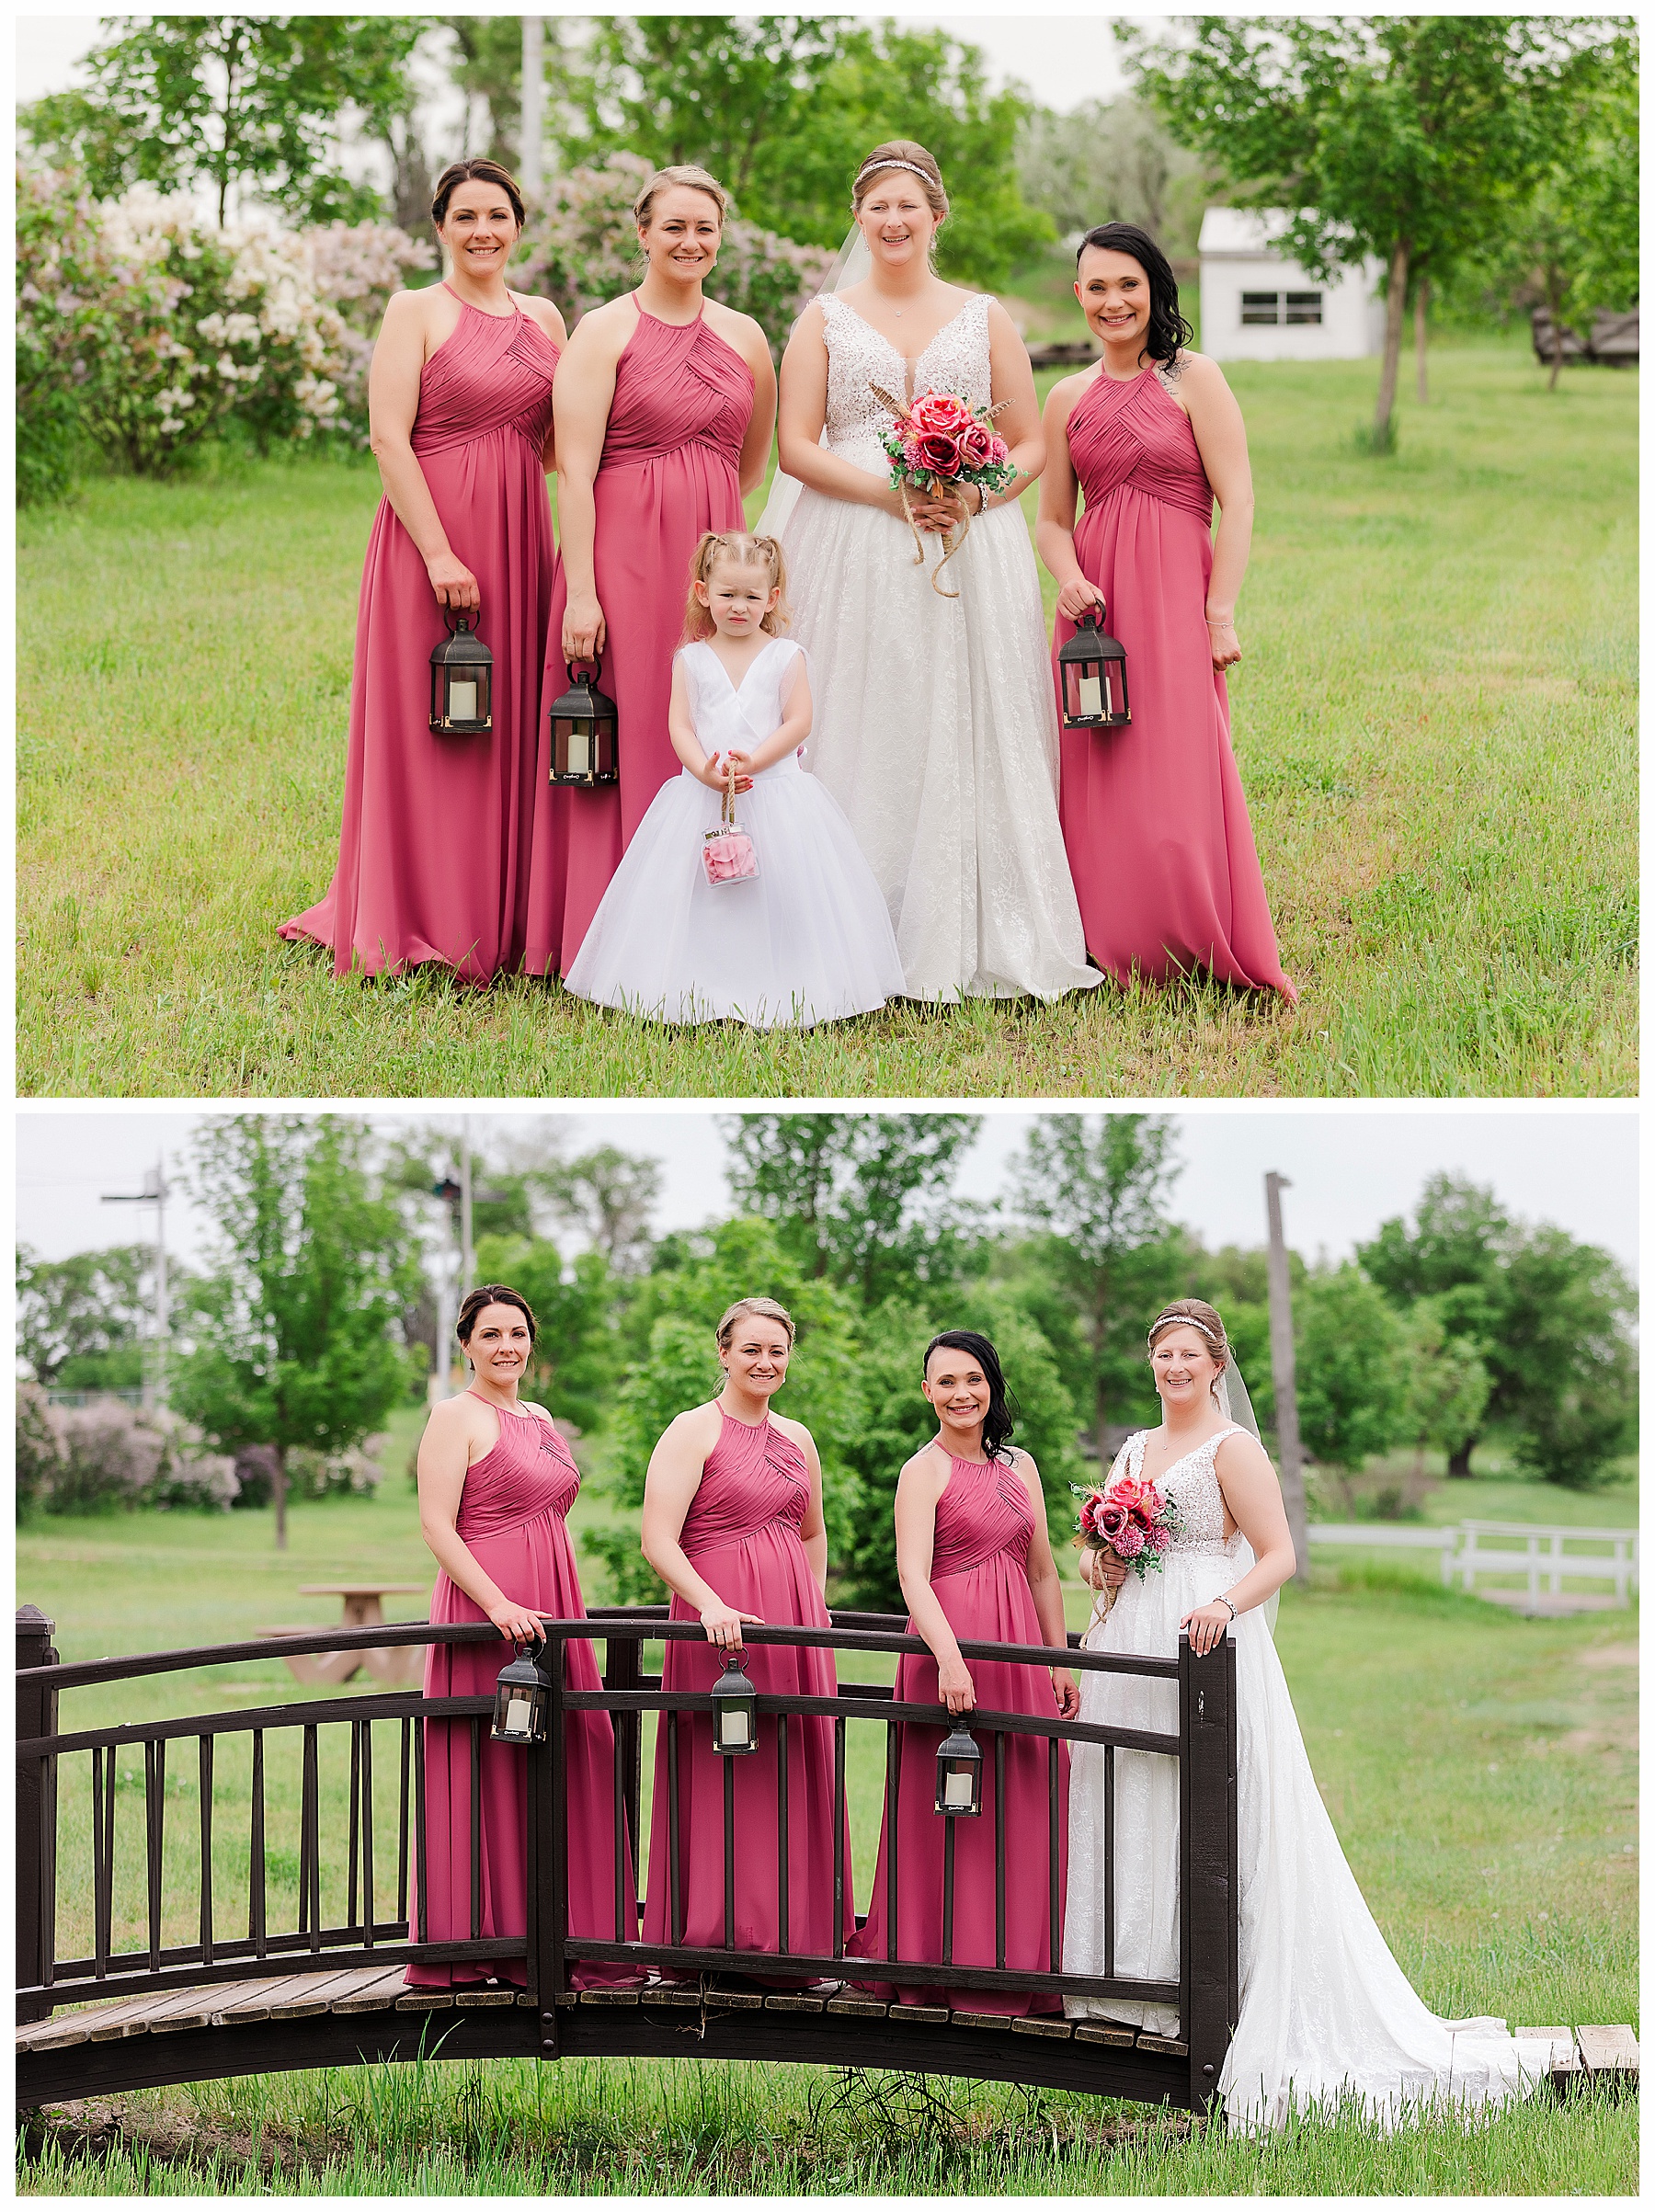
(397, 1665)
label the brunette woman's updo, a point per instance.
(1168, 333)
(475, 172)
(1002, 1406)
(901, 153)
(490, 1294)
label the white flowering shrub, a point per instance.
(149, 329)
(86, 1459)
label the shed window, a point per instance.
(1275, 308)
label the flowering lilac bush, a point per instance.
(580, 248)
(85, 1459)
(148, 328)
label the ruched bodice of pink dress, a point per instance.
(434, 833)
(741, 1534)
(980, 1578)
(513, 1520)
(1154, 819)
(670, 470)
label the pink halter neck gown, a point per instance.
(1158, 840)
(742, 1533)
(683, 399)
(980, 1577)
(434, 841)
(513, 1519)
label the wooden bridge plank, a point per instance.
(1001, 2021)
(920, 2015)
(418, 2000)
(380, 1987)
(1565, 2059)
(864, 2008)
(1092, 2031)
(1035, 2023)
(1607, 2050)
(476, 1994)
(793, 2004)
(302, 1995)
(112, 2022)
(1168, 2045)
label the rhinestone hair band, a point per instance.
(876, 168)
(1188, 1319)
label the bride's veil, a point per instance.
(852, 264)
(1236, 1406)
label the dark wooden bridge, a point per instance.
(181, 1968)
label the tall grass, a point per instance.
(1434, 721)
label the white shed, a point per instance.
(1257, 305)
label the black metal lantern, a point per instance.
(461, 681)
(735, 1711)
(1093, 667)
(583, 733)
(522, 1698)
(959, 1774)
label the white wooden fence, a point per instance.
(1504, 1547)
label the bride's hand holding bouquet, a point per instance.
(942, 448)
(1127, 1526)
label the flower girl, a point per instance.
(774, 920)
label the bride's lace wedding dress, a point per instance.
(1325, 2007)
(935, 726)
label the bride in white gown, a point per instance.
(1325, 2009)
(935, 726)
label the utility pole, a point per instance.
(153, 1193)
(1287, 1389)
(468, 1258)
(534, 109)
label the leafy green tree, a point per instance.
(609, 1194)
(249, 101)
(81, 1321)
(1348, 1344)
(865, 1198)
(784, 109)
(296, 1328)
(674, 1364)
(1097, 1186)
(1446, 1385)
(1404, 137)
(897, 1421)
(1113, 160)
(573, 1369)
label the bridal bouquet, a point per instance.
(937, 441)
(1132, 1519)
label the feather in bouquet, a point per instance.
(1132, 1519)
(937, 441)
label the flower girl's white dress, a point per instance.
(807, 940)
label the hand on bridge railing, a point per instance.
(723, 1625)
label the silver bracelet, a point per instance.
(1224, 1601)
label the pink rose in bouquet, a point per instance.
(1000, 452)
(937, 441)
(938, 454)
(976, 443)
(942, 411)
(1132, 1519)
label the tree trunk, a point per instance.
(1555, 302)
(1422, 292)
(1460, 1463)
(1396, 300)
(278, 1490)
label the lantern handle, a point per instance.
(576, 665)
(539, 1643)
(1093, 616)
(458, 620)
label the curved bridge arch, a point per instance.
(195, 2001)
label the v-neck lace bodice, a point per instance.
(1192, 1483)
(859, 355)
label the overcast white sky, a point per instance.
(1062, 58)
(1350, 1168)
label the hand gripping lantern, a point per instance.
(583, 733)
(461, 681)
(1093, 666)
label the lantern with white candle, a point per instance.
(461, 681)
(735, 1711)
(959, 1774)
(1092, 669)
(583, 733)
(522, 1699)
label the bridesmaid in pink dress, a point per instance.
(495, 1485)
(1159, 843)
(976, 1562)
(434, 843)
(666, 402)
(733, 1525)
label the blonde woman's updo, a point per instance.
(767, 1309)
(681, 172)
(901, 153)
(1196, 1314)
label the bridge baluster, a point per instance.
(1000, 1848)
(476, 1827)
(367, 1728)
(626, 1904)
(36, 1864)
(310, 1843)
(674, 1878)
(1053, 1908)
(350, 1863)
(256, 1849)
(1109, 1859)
(783, 1869)
(154, 1815)
(729, 1853)
(893, 1769)
(839, 1836)
(204, 1744)
(948, 1887)
(421, 1883)
(401, 1831)
(103, 1857)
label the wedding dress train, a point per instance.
(1325, 2009)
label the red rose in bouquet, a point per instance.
(937, 441)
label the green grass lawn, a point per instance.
(1434, 721)
(1481, 1770)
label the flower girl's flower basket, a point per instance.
(727, 852)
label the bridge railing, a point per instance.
(150, 1903)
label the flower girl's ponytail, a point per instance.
(748, 551)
